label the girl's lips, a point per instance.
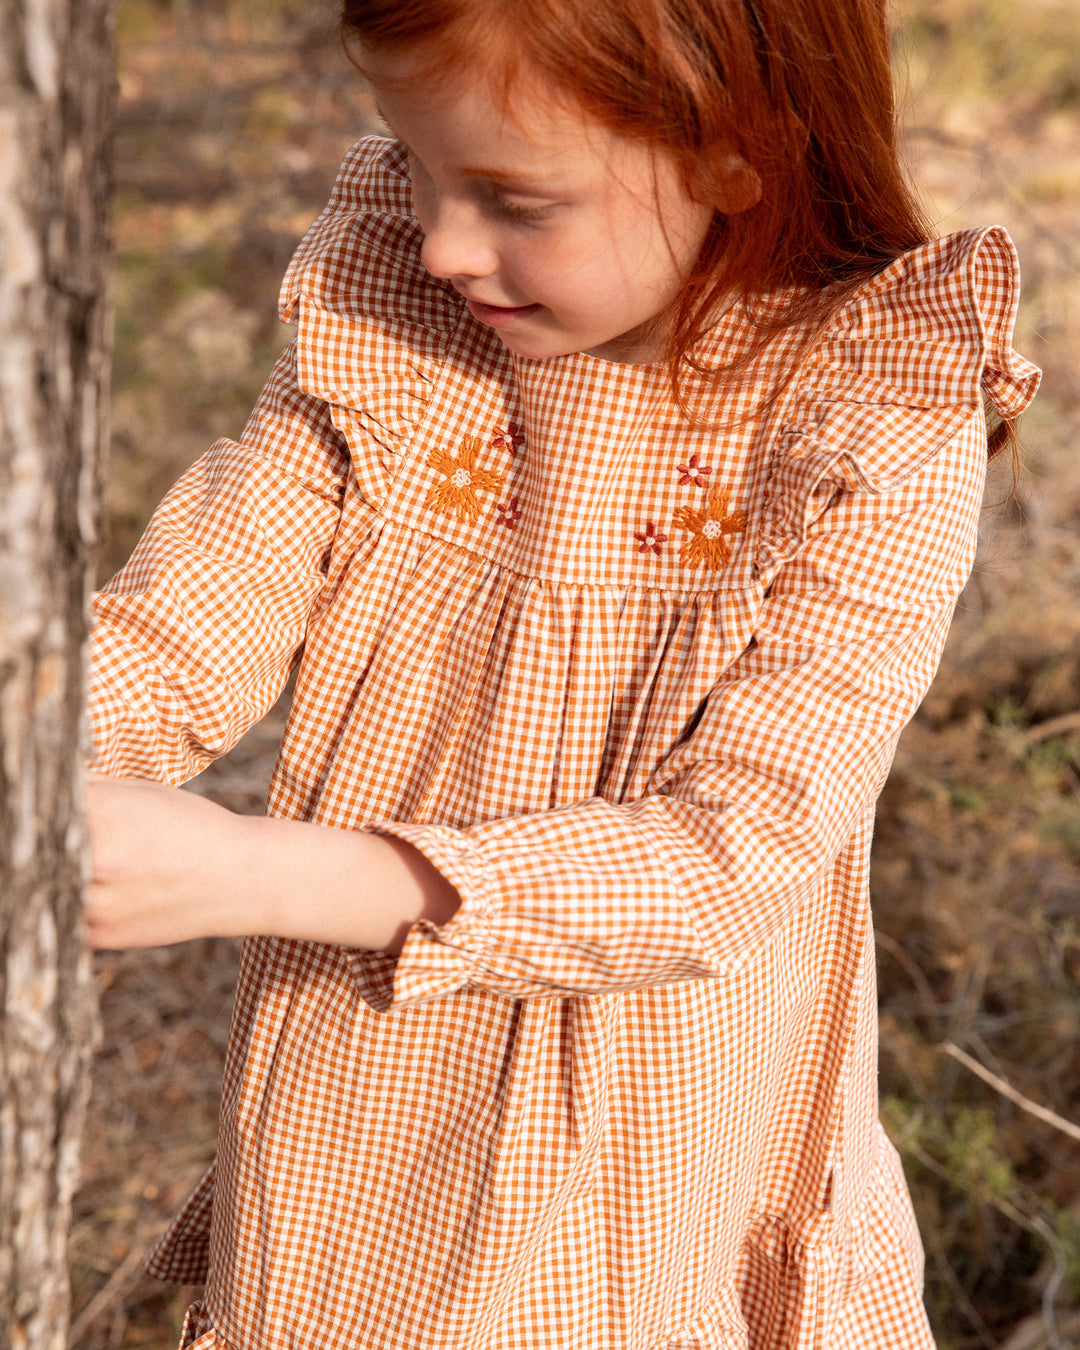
(498, 316)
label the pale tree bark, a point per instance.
(56, 74)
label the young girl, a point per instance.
(613, 497)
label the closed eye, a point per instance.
(503, 206)
(494, 198)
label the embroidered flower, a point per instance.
(693, 472)
(710, 544)
(509, 513)
(508, 438)
(649, 538)
(462, 480)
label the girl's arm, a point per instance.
(240, 547)
(168, 865)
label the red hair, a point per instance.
(801, 90)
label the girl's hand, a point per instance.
(167, 866)
(161, 860)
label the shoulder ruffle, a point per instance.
(932, 329)
(361, 255)
(901, 368)
(372, 324)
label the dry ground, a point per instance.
(233, 118)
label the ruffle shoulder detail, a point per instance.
(372, 324)
(900, 370)
(933, 327)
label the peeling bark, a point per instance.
(56, 75)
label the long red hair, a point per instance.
(801, 90)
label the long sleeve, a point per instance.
(745, 816)
(193, 640)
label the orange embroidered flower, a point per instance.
(650, 538)
(509, 513)
(462, 480)
(693, 472)
(710, 530)
(508, 438)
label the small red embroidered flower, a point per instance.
(693, 472)
(649, 538)
(509, 513)
(709, 544)
(462, 480)
(508, 438)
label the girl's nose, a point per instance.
(454, 245)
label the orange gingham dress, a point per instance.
(634, 688)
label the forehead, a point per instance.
(432, 67)
(500, 114)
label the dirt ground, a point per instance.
(233, 117)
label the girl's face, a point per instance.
(561, 235)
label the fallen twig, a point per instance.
(1053, 726)
(1006, 1089)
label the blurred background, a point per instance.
(233, 115)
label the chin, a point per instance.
(538, 349)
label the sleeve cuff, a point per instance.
(435, 960)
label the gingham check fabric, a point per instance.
(634, 688)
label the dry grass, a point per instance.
(234, 115)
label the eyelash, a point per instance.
(524, 215)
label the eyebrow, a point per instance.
(514, 176)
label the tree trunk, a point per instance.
(56, 75)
